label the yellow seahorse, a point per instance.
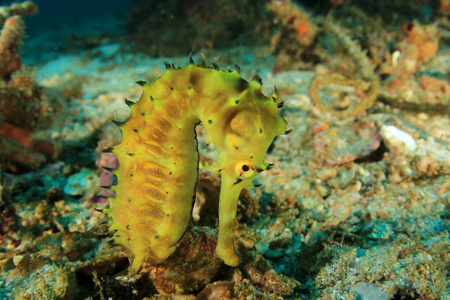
(158, 157)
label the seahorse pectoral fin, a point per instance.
(229, 195)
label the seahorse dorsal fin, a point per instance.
(167, 64)
(237, 68)
(257, 78)
(191, 60)
(128, 102)
(203, 61)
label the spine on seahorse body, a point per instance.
(158, 156)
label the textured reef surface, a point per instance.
(355, 206)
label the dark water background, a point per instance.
(55, 13)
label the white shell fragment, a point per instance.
(396, 138)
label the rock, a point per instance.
(381, 232)
(339, 145)
(366, 291)
(223, 290)
(191, 266)
(79, 183)
(263, 276)
(37, 277)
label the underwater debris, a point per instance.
(410, 159)
(426, 94)
(379, 63)
(365, 91)
(396, 138)
(363, 202)
(348, 103)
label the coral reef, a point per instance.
(400, 88)
(369, 63)
(23, 106)
(348, 97)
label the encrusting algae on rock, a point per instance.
(158, 162)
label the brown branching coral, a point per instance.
(24, 108)
(27, 8)
(10, 39)
(292, 19)
(296, 38)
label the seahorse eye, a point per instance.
(245, 169)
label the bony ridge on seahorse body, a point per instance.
(158, 157)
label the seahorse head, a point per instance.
(243, 134)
